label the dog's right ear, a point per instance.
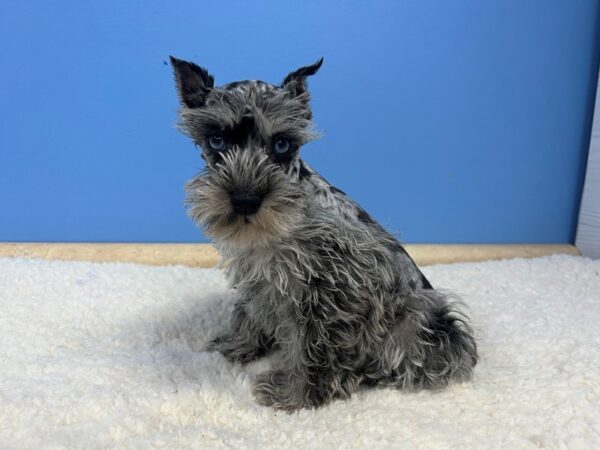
(193, 82)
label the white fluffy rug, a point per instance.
(111, 355)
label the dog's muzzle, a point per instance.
(245, 203)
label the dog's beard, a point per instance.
(208, 199)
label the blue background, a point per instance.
(448, 121)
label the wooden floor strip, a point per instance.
(204, 255)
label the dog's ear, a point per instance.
(193, 82)
(295, 82)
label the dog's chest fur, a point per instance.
(337, 246)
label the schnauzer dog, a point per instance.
(316, 276)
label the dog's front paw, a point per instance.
(280, 390)
(233, 349)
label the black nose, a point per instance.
(245, 203)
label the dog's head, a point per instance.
(250, 133)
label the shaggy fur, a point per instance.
(316, 276)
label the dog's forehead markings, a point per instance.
(245, 86)
(271, 108)
(248, 97)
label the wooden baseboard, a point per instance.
(204, 255)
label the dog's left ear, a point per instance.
(295, 82)
(193, 82)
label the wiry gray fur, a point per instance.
(316, 276)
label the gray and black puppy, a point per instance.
(316, 276)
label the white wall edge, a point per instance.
(588, 227)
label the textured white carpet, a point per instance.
(104, 355)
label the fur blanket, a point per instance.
(111, 355)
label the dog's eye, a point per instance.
(216, 142)
(281, 146)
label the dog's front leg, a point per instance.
(245, 340)
(309, 375)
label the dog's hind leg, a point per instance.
(431, 344)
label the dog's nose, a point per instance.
(245, 203)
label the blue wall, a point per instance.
(449, 121)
